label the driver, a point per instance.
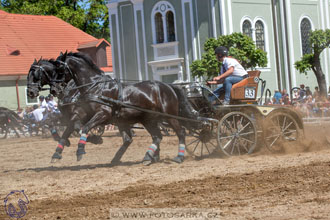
(231, 72)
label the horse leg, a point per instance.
(54, 133)
(99, 118)
(64, 141)
(126, 134)
(180, 132)
(152, 154)
(16, 132)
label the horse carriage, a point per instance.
(245, 124)
(99, 100)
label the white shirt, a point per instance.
(44, 104)
(38, 114)
(231, 62)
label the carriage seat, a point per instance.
(238, 89)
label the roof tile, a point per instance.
(24, 38)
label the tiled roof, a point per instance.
(24, 38)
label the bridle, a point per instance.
(91, 84)
(52, 81)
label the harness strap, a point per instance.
(120, 91)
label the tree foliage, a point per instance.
(91, 16)
(240, 47)
(318, 41)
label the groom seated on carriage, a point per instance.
(231, 73)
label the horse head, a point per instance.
(41, 73)
(77, 66)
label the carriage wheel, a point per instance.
(98, 130)
(3, 132)
(279, 128)
(237, 134)
(202, 142)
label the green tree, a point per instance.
(240, 47)
(91, 16)
(318, 41)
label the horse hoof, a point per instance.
(53, 160)
(67, 142)
(79, 157)
(80, 153)
(56, 157)
(147, 162)
(178, 159)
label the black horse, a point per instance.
(42, 73)
(107, 100)
(10, 120)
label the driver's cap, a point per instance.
(222, 51)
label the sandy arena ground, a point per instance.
(292, 185)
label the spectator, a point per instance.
(38, 113)
(316, 93)
(285, 97)
(302, 93)
(42, 101)
(277, 99)
(308, 91)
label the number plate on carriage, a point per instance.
(249, 93)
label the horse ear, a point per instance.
(64, 55)
(35, 61)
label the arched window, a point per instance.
(305, 28)
(159, 28)
(260, 35)
(247, 28)
(170, 26)
(163, 22)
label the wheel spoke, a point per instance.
(226, 145)
(194, 141)
(284, 122)
(244, 127)
(238, 148)
(207, 148)
(290, 132)
(230, 136)
(202, 149)
(215, 146)
(233, 147)
(247, 133)
(196, 146)
(228, 126)
(287, 127)
(272, 136)
(275, 140)
(244, 145)
(245, 139)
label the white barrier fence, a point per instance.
(316, 120)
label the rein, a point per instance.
(51, 81)
(93, 84)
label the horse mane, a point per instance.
(87, 59)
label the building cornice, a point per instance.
(137, 2)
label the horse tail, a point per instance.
(185, 108)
